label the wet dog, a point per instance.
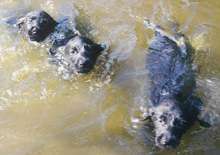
(36, 25)
(71, 52)
(174, 106)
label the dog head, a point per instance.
(36, 25)
(78, 55)
(169, 122)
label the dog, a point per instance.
(174, 106)
(69, 50)
(36, 25)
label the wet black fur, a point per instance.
(39, 26)
(174, 106)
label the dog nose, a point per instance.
(83, 63)
(166, 141)
(83, 66)
(34, 30)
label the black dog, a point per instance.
(174, 106)
(72, 52)
(37, 25)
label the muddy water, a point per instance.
(41, 114)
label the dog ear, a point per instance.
(100, 48)
(204, 123)
(204, 119)
(20, 22)
(147, 115)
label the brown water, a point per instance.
(41, 114)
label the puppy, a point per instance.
(78, 56)
(174, 106)
(71, 52)
(36, 25)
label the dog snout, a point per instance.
(166, 141)
(34, 30)
(81, 63)
(83, 66)
(84, 63)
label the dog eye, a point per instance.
(44, 21)
(33, 18)
(163, 118)
(74, 50)
(87, 47)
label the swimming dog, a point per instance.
(69, 50)
(174, 106)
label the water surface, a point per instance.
(42, 114)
